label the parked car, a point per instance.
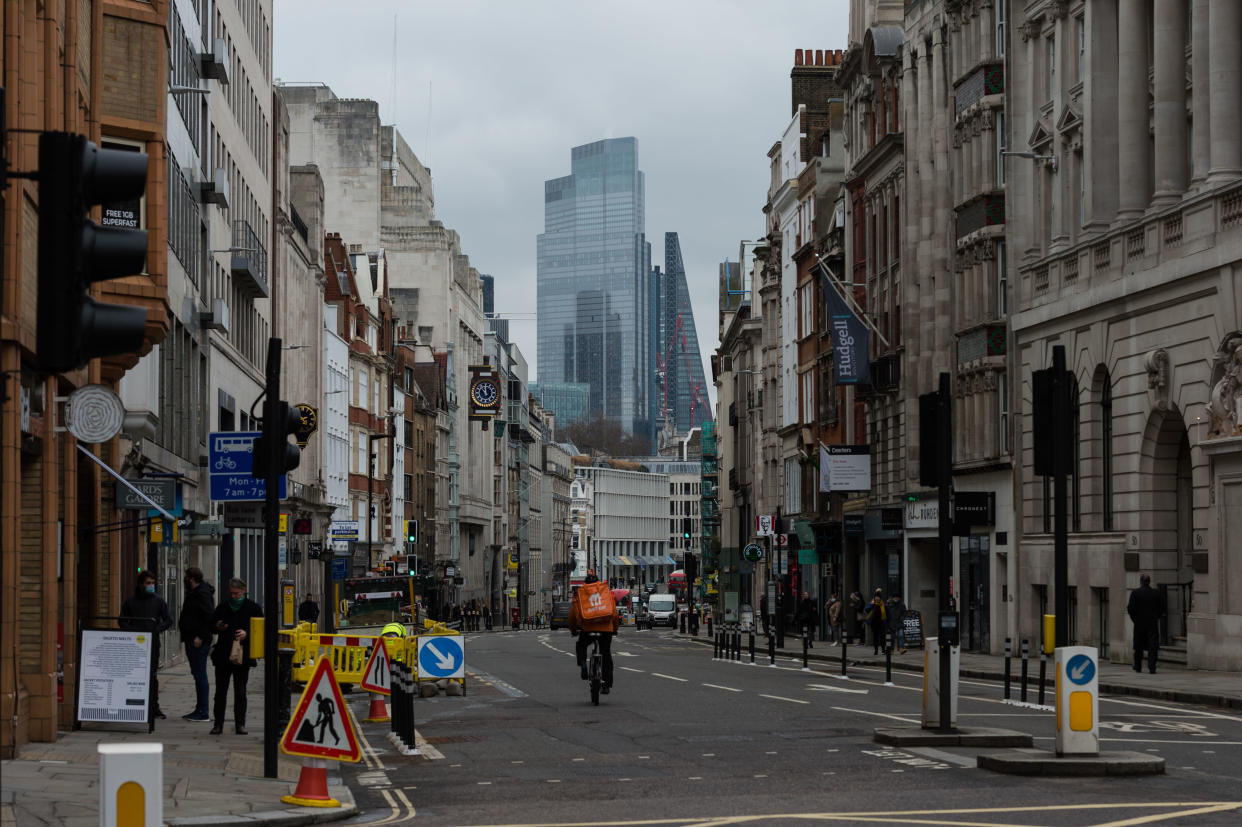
(560, 615)
(661, 610)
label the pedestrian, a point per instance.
(877, 619)
(309, 610)
(859, 611)
(487, 617)
(807, 618)
(232, 619)
(146, 611)
(1145, 608)
(896, 614)
(834, 619)
(763, 611)
(196, 628)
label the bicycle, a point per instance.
(595, 668)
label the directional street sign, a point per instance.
(377, 674)
(441, 656)
(322, 727)
(1080, 669)
(229, 462)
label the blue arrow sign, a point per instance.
(441, 657)
(1080, 670)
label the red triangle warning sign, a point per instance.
(377, 676)
(321, 726)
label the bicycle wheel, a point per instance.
(597, 678)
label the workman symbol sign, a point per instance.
(321, 726)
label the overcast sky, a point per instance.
(492, 96)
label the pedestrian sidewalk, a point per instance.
(1170, 683)
(208, 779)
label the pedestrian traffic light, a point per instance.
(411, 531)
(281, 422)
(75, 252)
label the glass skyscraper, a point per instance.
(593, 281)
(680, 392)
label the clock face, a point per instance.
(484, 393)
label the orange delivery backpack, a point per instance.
(595, 600)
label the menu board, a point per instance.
(114, 676)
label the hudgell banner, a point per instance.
(850, 365)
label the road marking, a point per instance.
(670, 677)
(779, 698)
(644, 756)
(725, 688)
(554, 780)
(760, 775)
(942, 755)
(629, 669)
(517, 762)
(904, 720)
(823, 687)
(1151, 741)
(1149, 705)
(484, 783)
(709, 755)
(579, 759)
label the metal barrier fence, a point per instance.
(348, 653)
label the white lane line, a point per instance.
(695, 778)
(670, 677)
(779, 698)
(1152, 741)
(725, 688)
(943, 756)
(1148, 705)
(904, 720)
(554, 780)
(484, 783)
(579, 759)
(823, 687)
(630, 669)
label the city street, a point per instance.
(684, 739)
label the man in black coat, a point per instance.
(309, 610)
(232, 620)
(807, 618)
(1145, 608)
(146, 605)
(196, 625)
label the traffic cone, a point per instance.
(378, 713)
(312, 790)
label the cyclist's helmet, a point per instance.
(393, 630)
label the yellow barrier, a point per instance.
(348, 653)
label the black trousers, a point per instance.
(605, 651)
(1148, 642)
(239, 675)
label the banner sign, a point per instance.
(849, 467)
(824, 484)
(850, 365)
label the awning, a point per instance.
(625, 561)
(669, 560)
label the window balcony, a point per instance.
(249, 261)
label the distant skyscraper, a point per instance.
(593, 280)
(680, 387)
(568, 400)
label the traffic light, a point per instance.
(75, 252)
(687, 525)
(281, 423)
(411, 531)
(691, 567)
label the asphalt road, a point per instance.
(687, 740)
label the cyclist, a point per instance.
(605, 626)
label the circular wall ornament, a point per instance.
(94, 414)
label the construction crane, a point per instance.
(696, 388)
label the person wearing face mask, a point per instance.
(196, 625)
(146, 605)
(232, 621)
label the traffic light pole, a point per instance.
(944, 425)
(274, 447)
(1060, 526)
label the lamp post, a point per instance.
(371, 440)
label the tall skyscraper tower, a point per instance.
(593, 280)
(680, 389)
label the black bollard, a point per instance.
(844, 644)
(1026, 648)
(752, 645)
(1043, 671)
(805, 646)
(396, 686)
(285, 673)
(681, 616)
(709, 624)
(717, 646)
(771, 650)
(888, 658)
(737, 642)
(1008, 670)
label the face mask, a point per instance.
(236, 602)
(149, 588)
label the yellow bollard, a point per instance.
(131, 780)
(256, 637)
(1050, 634)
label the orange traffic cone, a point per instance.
(378, 713)
(312, 790)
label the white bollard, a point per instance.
(931, 683)
(131, 785)
(1078, 700)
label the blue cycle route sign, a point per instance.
(1080, 670)
(441, 656)
(230, 459)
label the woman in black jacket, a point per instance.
(232, 622)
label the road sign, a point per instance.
(1080, 669)
(229, 462)
(441, 656)
(313, 728)
(377, 674)
(753, 552)
(782, 540)
(340, 568)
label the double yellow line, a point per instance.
(400, 808)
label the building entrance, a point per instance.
(975, 591)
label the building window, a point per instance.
(1001, 145)
(1052, 67)
(1081, 172)
(1002, 280)
(1003, 399)
(1080, 26)
(1000, 27)
(1106, 450)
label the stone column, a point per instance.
(927, 297)
(944, 290)
(1170, 86)
(1225, 81)
(1199, 72)
(1100, 104)
(1132, 117)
